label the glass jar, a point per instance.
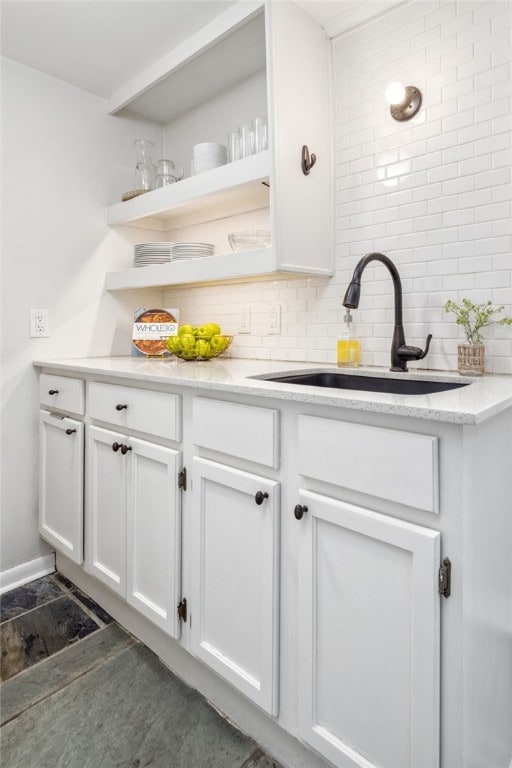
(144, 169)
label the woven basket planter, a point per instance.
(470, 359)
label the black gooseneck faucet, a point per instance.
(400, 351)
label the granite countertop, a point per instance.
(485, 397)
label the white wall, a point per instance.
(434, 193)
(64, 160)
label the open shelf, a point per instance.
(227, 190)
(204, 78)
(235, 267)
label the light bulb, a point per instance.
(395, 93)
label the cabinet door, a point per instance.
(235, 610)
(105, 552)
(61, 484)
(154, 534)
(368, 637)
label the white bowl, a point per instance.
(201, 166)
(249, 239)
(218, 159)
(210, 147)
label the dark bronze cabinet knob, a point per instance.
(70, 431)
(260, 497)
(53, 391)
(116, 446)
(121, 407)
(299, 511)
(125, 449)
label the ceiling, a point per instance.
(99, 45)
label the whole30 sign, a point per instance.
(153, 324)
(154, 330)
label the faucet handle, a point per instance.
(406, 352)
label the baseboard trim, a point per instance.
(21, 574)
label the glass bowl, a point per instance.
(249, 239)
(202, 349)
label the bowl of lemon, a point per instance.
(200, 342)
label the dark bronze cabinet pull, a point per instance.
(53, 391)
(121, 407)
(125, 449)
(116, 446)
(70, 431)
(299, 511)
(260, 497)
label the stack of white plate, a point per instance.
(145, 254)
(207, 156)
(184, 251)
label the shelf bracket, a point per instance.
(307, 161)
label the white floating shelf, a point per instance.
(227, 190)
(237, 267)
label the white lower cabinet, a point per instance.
(368, 636)
(235, 600)
(133, 522)
(61, 483)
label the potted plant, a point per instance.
(473, 318)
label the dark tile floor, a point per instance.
(80, 692)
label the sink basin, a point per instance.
(336, 380)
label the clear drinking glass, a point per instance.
(260, 131)
(246, 140)
(233, 146)
(144, 170)
(169, 168)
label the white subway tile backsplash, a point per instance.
(500, 69)
(502, 227)
(501, 55)
(497, 178)
(502, 159)
(474, 199)
(433, 193)
(475, 165)
(502, 193)
(499, 38)
(457, 186)
(458, 218)
(473, 132)
(493, 245)
(496, 109)
(475, 231)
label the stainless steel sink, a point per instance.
(335, 380)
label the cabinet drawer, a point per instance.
(62, 392)
(157, 413)
(238, 430)
(393, 465)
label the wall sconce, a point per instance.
(405, 101)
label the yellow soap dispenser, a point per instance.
(348, 346)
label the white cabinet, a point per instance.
(286, 79)
(105, 521)
(61, 483)
(368, 635)
(235, 600)
(133, 522)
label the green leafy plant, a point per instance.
(474, 317)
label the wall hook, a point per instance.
(308, 160)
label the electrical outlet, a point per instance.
(39, 323)
(274, 318)
(244, 320)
